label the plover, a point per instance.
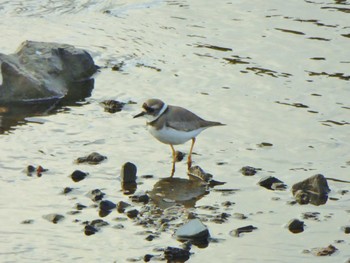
(173, 125)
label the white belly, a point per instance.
(171, 136)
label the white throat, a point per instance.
(151, 118)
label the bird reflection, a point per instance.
(170, 191)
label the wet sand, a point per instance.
(273, 71)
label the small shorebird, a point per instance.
(173, 125)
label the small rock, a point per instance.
(239, 216)
(30, 169)
(326, 251)
(192, 230)
(93, 158)
(268, 181)
(179, 156)
(199, 173)
(54, 218)
(140, 198)
(174, 254)
(98, 223)
(132, 213)
(96, 195)
(346, 229)
(128, 173)
(80, 206)
(67, 190)
(311, 215)
(296, 226)
(121, 206)
(27, 222)
(245, 229)
(78, 176)
(113, 106)
(265, 144)
(249, 171)
(90, 230)
(107, 205)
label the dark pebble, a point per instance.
(89, 230)
(107, 205)
(132, 213)
(80, 206)
(147, 257)
(78, 175)
(179, 156)
(249, 170)
(67, 190)
(346, 229)
(96, 195)
(311, 215)
(128, 173)
(140, 198)
(98, 223)
(54, 218)
(268, 181)
(246, 229)
(326, 251)
(93, 158)
(265, 144)
(30, 169)
(113, 106)
(121, 206)
(173, 253)
(27, 222)
(296, 226)
(147, 176)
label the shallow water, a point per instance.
(273, 71)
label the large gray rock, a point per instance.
(312, 190)
(41, 71)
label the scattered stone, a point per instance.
(227, 203)
(92, 158)
(268, 181)
(80, 206)
(121, 206)
(311, 215)
(239, 216)
(147, 176)
(220, 218)
(78, 176)
(96, 195)
(265, 144)
(113, 106)
(133, 213)
(38, 170)
(67, 190)
(119, 226)
(128, 173)
(326, 251)
(107, 205)
(249, 171)
(246, 229)
(27, 222)
(140, 198)
(98, 223)
(179, 156)
(193, 230)
(174, 254)
(90, 230)
(312, 190)
(54, 218)
(346, 229)
(296, 226)
(199, 173)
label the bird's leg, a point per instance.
(189, 160)
(174, 159)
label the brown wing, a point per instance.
(182, 119)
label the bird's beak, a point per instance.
(140, 114)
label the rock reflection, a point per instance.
(170, 191)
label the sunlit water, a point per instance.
(273, 71)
